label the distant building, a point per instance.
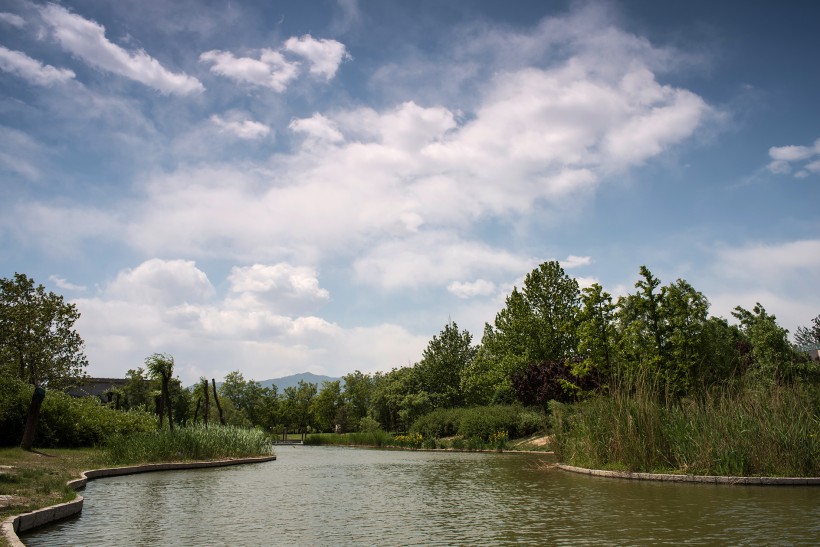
(102, 388)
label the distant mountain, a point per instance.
(294, 379)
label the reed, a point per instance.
(363, 438)
(749, 431)
(187, 443)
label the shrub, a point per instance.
(480, 422)
(65, 421)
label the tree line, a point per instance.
(552, 340)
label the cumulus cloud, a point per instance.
(479, 287)
(171, 306)
(804, 159)
(243, 129)
(157, 281)
(86, 40)
(573, 261)
(324, 55)
(385, 188)
(270, 70)
(32, 70)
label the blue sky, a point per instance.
(283, 187)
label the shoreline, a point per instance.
(697, 479)
(24, 522)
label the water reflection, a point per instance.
(337, 496)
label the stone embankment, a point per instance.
(28, 521)
(704, 479)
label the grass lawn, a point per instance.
(31, 480)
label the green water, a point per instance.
(342, 496)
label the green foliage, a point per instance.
(538, 323)
(377, 438)
(480, 422)
(443, 361)
(772, 354)
(38, 343)
(326, 405)
(747, 431)
(368, 424)
(65, 421)
(808, 337)
(187, 443)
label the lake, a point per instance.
(346, 496)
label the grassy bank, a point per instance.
(32, 480)
(744, 432)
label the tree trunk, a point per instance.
(196, 412)
(167, 396)
(33, 417)
(207, 402)
(160, 404)
(216, 400)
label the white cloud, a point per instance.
(479, 287)
(244, 129)
(573, 261)
(12, 19)
(324, 55)
(270, 70)
(280, 287)
(784, 156)
(66, 285)
(781, 276)
(166, 282)
(434, 259)
(317, 128)
(169, 306)
(32, 70)
(86, 39)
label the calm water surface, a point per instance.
(343, 496)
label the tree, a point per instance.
(596, 333)
(38, 343)
(442, 363)
(357, 394)
(538, 323)
(161, 367)
(808, 337)
(297, 403)
(772, 354)
(326, 404)
(137, 389)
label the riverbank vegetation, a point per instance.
(195, 442)
(648, 381)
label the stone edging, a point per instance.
(28, 521)
(702, 479)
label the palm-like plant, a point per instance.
(161, 367)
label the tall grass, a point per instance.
(375, 437)
(745, 432)
(187, 443)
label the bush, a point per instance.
(13, 409)
(65, 421)
(480, 422)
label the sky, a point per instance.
(280, 187)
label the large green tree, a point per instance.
(38, 342)
(538, 323)
(442, 364)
